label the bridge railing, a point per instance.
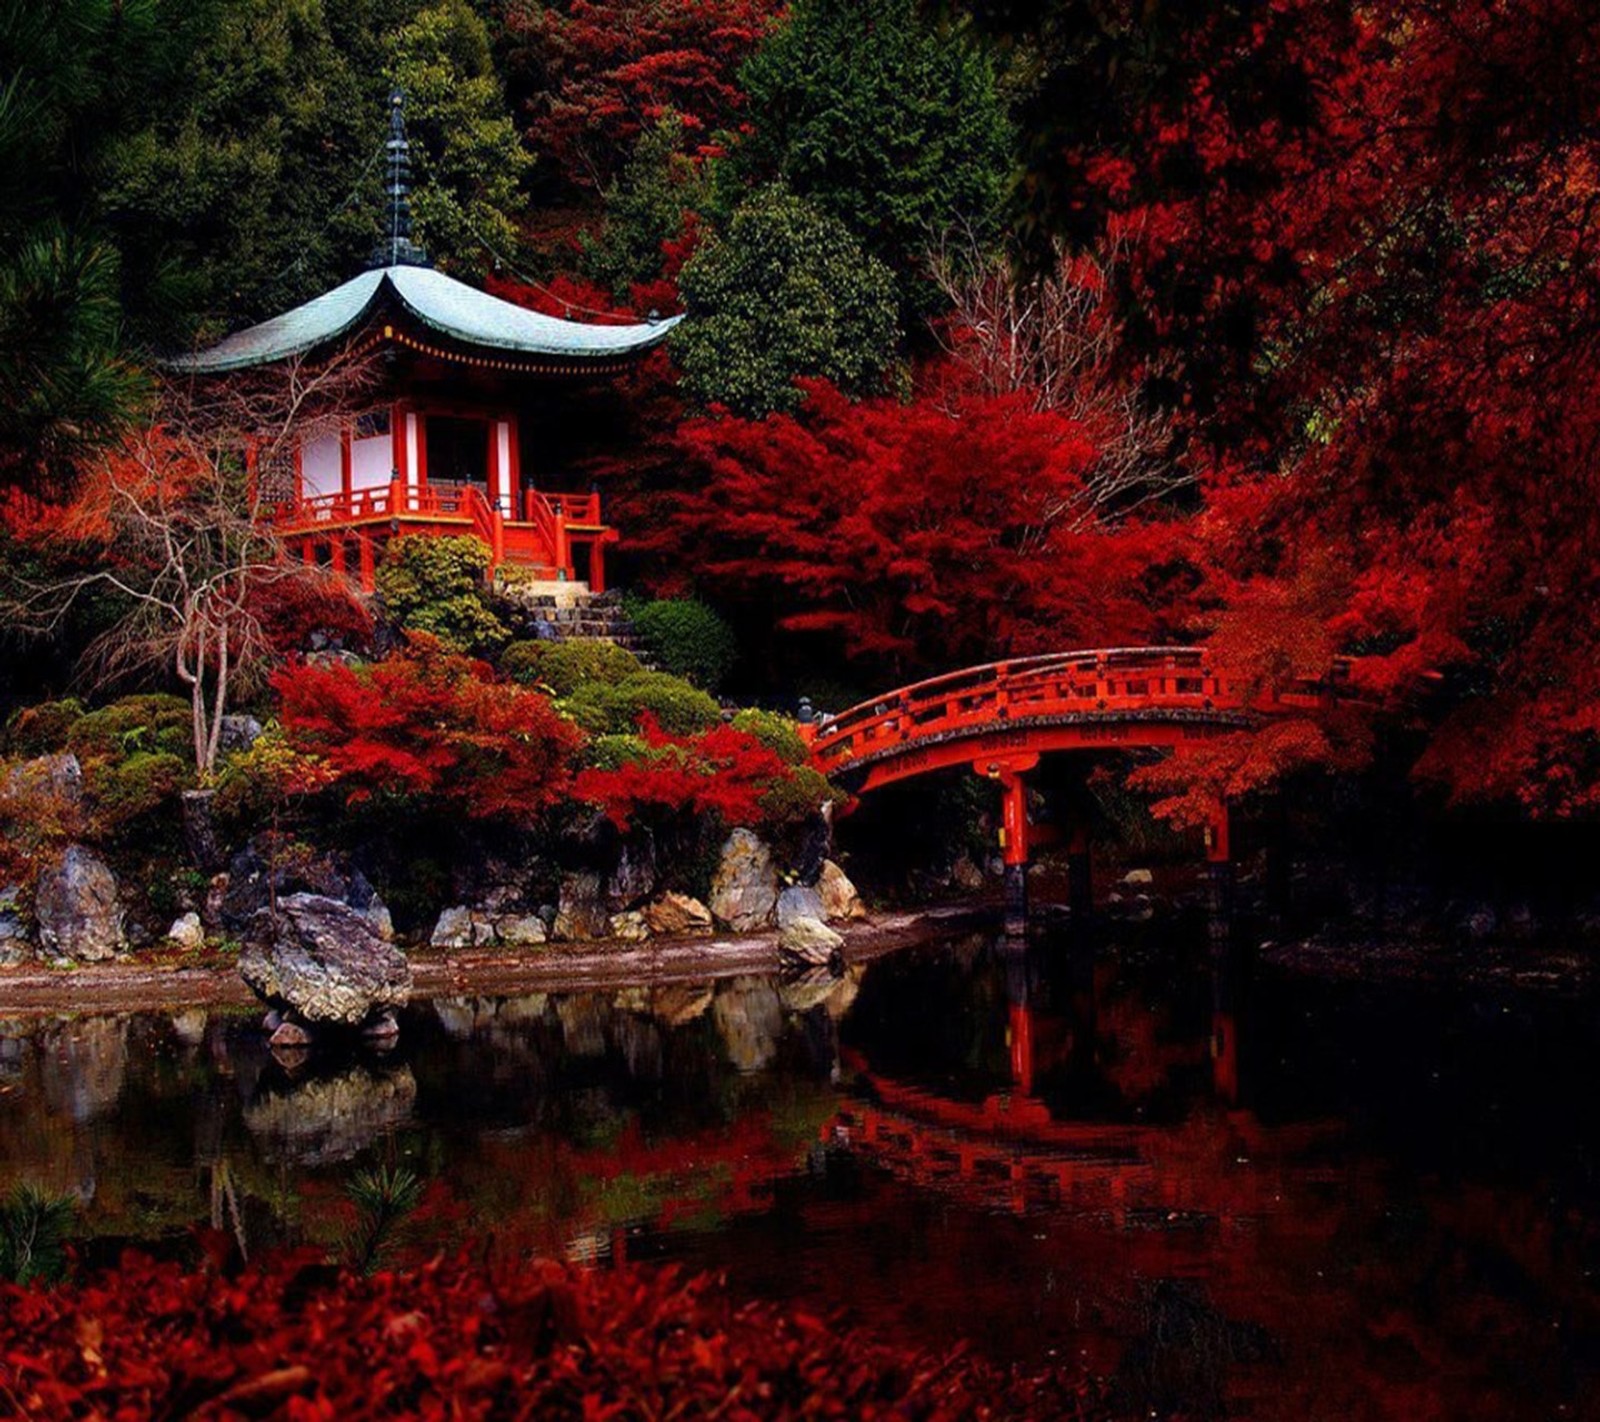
(1117, 679)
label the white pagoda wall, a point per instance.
(320, 467)
(372, 462)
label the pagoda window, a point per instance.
(321, 467)
(458, 450)
(371, 451)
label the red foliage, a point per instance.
(429, 722)
(290, 1338)
(611, 69)
(721, 772)
(922, 535)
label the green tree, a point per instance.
(883, 119)
(435, 585)
(468, 160)
(783, 292)
(646, 207)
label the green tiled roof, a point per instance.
(449, 307)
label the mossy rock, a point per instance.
(152, 723)
(42, 729)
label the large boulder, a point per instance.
(583, 912)
(15, 948)
(809, 943)
(677, 916)
(744, 893)
(58, 777)
(78, 909)
(257, 873)
(634, 878)
(324, 962)
(840, 901)
(799, 901)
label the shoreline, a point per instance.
(128, 985)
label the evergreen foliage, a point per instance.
(884, 120)
(33, 1236)
(688, 639)
(565, 666)
(436, 585)
(614, 708)
(783, 292)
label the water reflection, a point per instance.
(1230, 1192)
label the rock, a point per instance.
(78, 909)
(629, 927)
(187, 933)
(454, 928)
(744, 893)
(965, 874)
(799, 902)
(1137, 878)
(677, 915)
(809, 942)
(840, 901)
(288, 1034)
(59, 777)
(256, 870)
(582, 914)
(521, 930)
(324, 962)
(239, 733)
(15, 950)
(634, 878)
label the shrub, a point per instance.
(776, 732)
(436, 586)
(42, 729)
(565, 666)
(797, 796)
(151, 723)
(123, 790)
(688, 639)
(613, 752)
(679, 708)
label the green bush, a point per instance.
(688, 639)
(123, 790)
(777, 733)
(783, 291)
(42, 729)
(679, 708)
(565, 666)
(613, 752)
(149, 723)
(436, 586)
(797, 798)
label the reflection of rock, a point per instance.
(639, 1041)
(749, 1020)
(582, 913)
(463, 1017)
(83, 1064)
(807, 990)
(528, 1008)
(324, 1119)
(808, 942)
(677, 916)
(678, 1003)
(744, 892)
(840, 901)
(189, 1026)
(584, 1018)
(845, 990)
(78, 909)
(324, 962)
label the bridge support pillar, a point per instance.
(1219, 879)
(1014, 847)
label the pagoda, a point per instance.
(459, 439)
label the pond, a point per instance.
(1234, 1191)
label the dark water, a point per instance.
(1235, 1193)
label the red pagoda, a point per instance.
(465, 437)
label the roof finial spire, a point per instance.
(395, 248)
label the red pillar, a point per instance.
(597, 566)
(336, 548)
(369, 575)
(1014, 847)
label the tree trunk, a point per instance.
(200, 830)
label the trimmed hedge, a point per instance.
(777, 733)
(689, 640)
(565, 666)
(680, 709)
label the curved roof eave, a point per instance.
(443, 304)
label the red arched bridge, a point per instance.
(1000, 718)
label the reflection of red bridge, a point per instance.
(1001, 718)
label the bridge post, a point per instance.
(1219, 878)
(1014, 848)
